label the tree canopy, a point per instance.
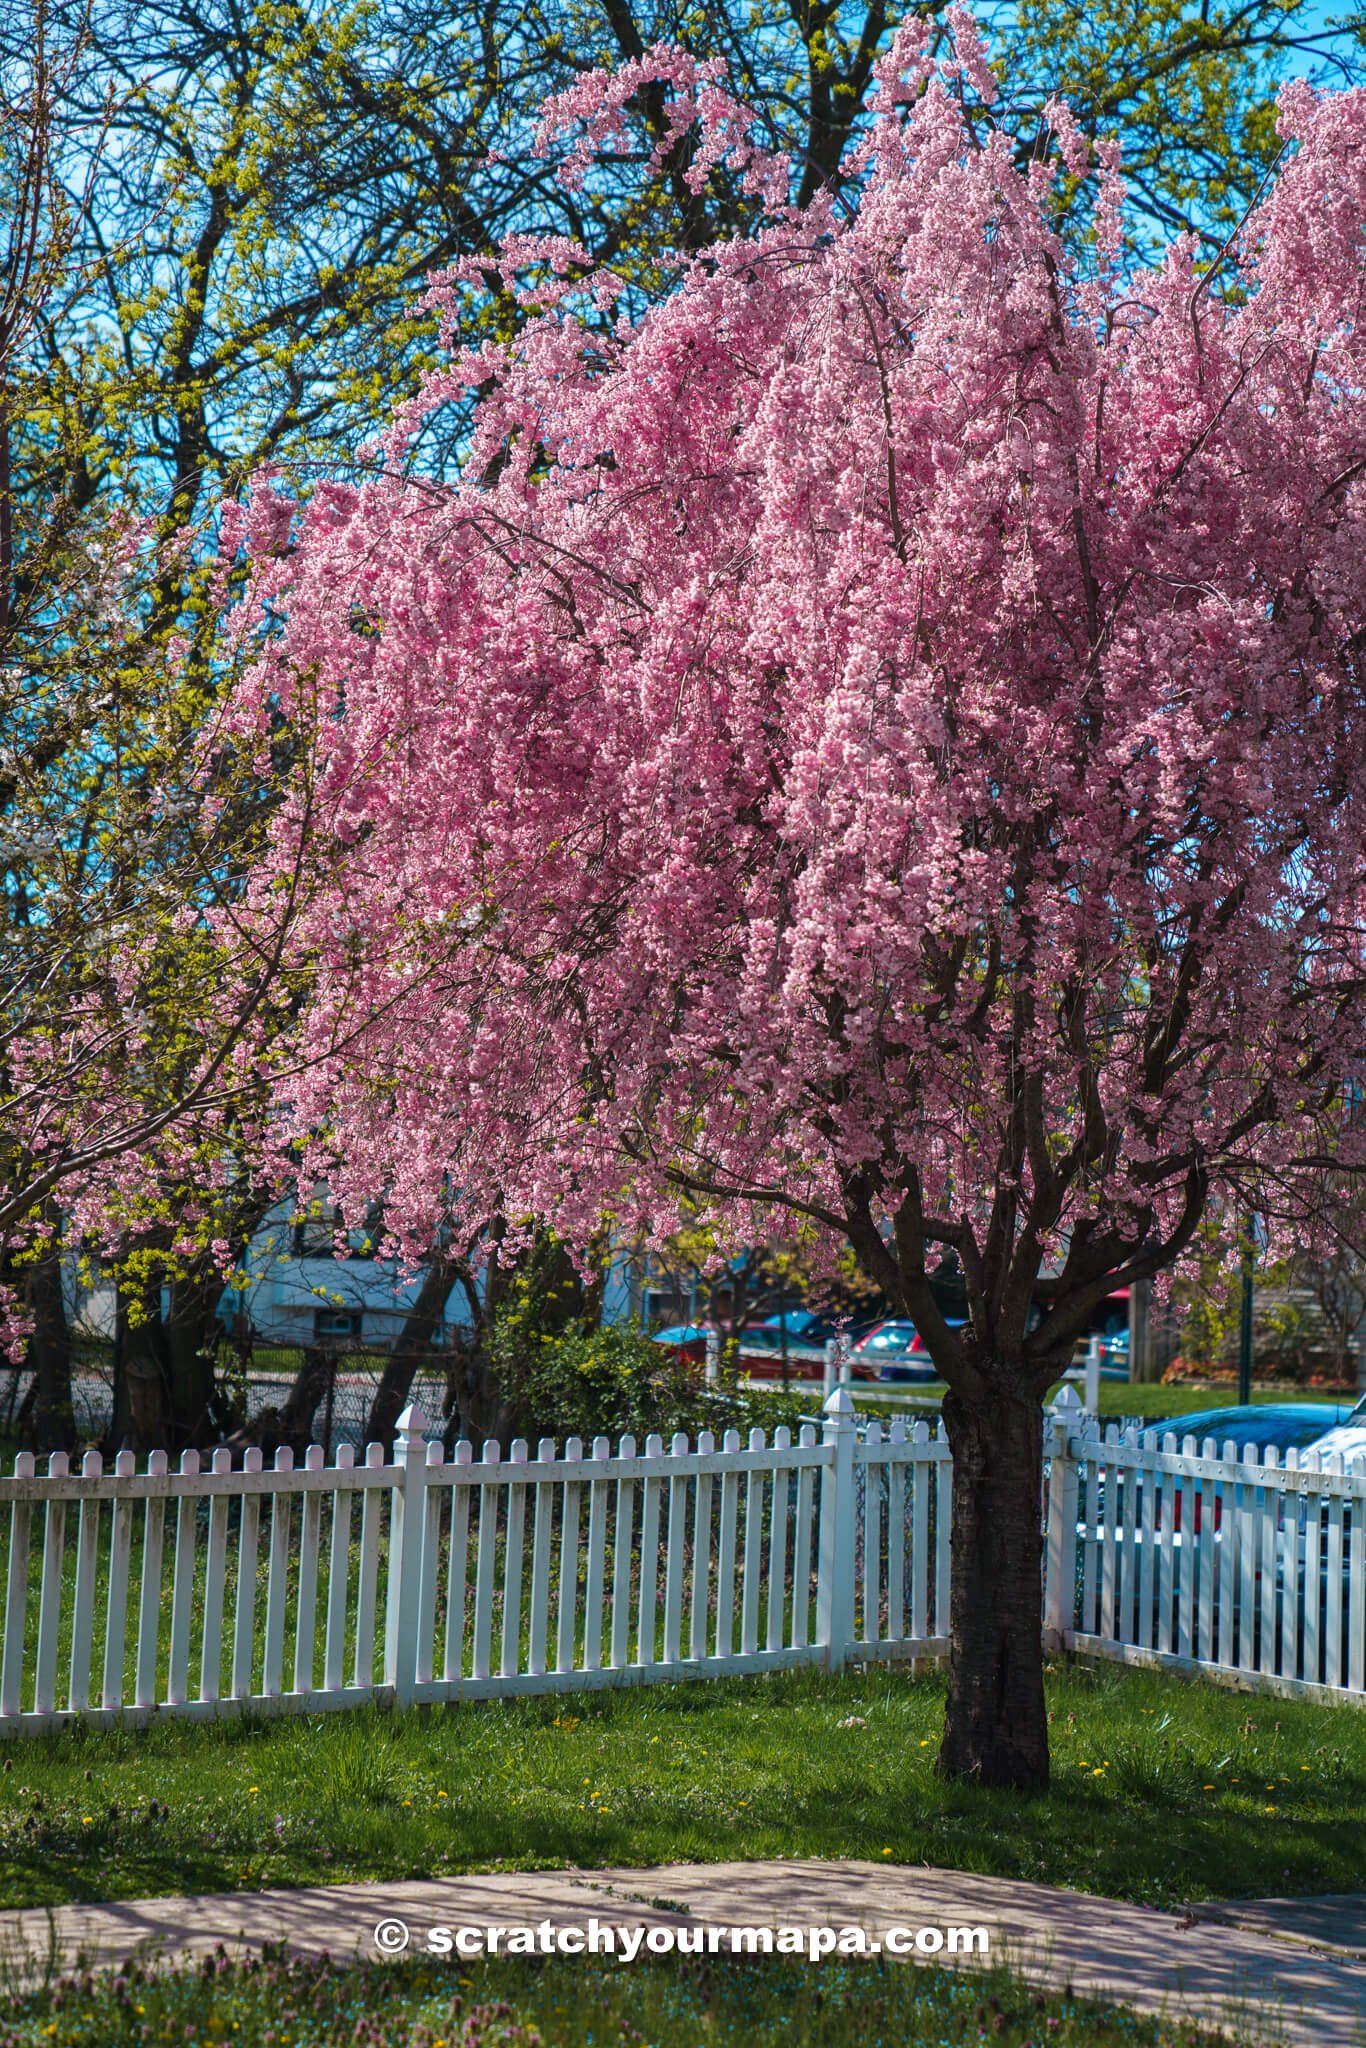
(877, 736)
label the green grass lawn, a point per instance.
(561, 2003)
(1118, 1398)
(1164, 1790)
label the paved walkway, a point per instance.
(1332, 1920)
(1263, 1989)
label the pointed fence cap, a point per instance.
(413, 1420)
(839, 1406)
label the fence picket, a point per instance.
(16, 1592)
(753, 1553)
(1231, 1495)
(510, 1660)
(1249, 1545)
(727, 1534)
(1204, 1536)
(116, 1600)
(182, 1586)
(1090, 1567)
(1109, 1575)
(675, 1540)
(367, 1577)
(1147, 1540)
(1356, 1593)
(621, 1561)
(277, 1581)
(1268, 1502)
(803, 1530)
(597, 1558)
(896, 1534)
(338, 1575)
(83, 1600)
(1313, 1591)
(943, 1498)
(701, 1553)
(1128, 1538)
(486, 1555)
(306, 1610)
(538, 1619)
(1288, 1548)
(570, 1504)
(1186, 1558)
(777, 1547)
(872, 1539)
(649, 1556)
(149, 1604)
(429, 1565)
(1332, 1621)
(50, 1592)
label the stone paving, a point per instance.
(1333, 1920)
(1250, 1966)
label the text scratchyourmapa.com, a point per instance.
(625, 1942)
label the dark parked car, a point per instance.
(898, 1350)
(808, 1333)
(689, 1340)
(804, 1326)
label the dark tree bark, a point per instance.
(49, 1348)
(476, 1396)
(191, 1344)
(142, 1416)
(293, 1424)
(317, 1371)
(416, 1341)
(168, 1399)
(996, 1727)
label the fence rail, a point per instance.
(212, 1590)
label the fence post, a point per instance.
(828, 1379)
(404, 1592)
(1060, 1568)
(1093, 1376)
(835, 1557)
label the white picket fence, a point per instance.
(206, 1592)
(1196, 1557)
(199, 1593)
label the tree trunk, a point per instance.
(49, 1350)
(416, 1341)
(191, 1340)
(317, 1371)
(996, 1727)
(145, 1421)
(475, 1394)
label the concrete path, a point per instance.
(1263, 1990)
(1333, 1920)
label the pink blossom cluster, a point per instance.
(883, 734)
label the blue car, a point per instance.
(898, 1351)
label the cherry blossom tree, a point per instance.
(879, 740)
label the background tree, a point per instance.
(282, 176)
(881, 736)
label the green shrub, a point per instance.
(607, 1381)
